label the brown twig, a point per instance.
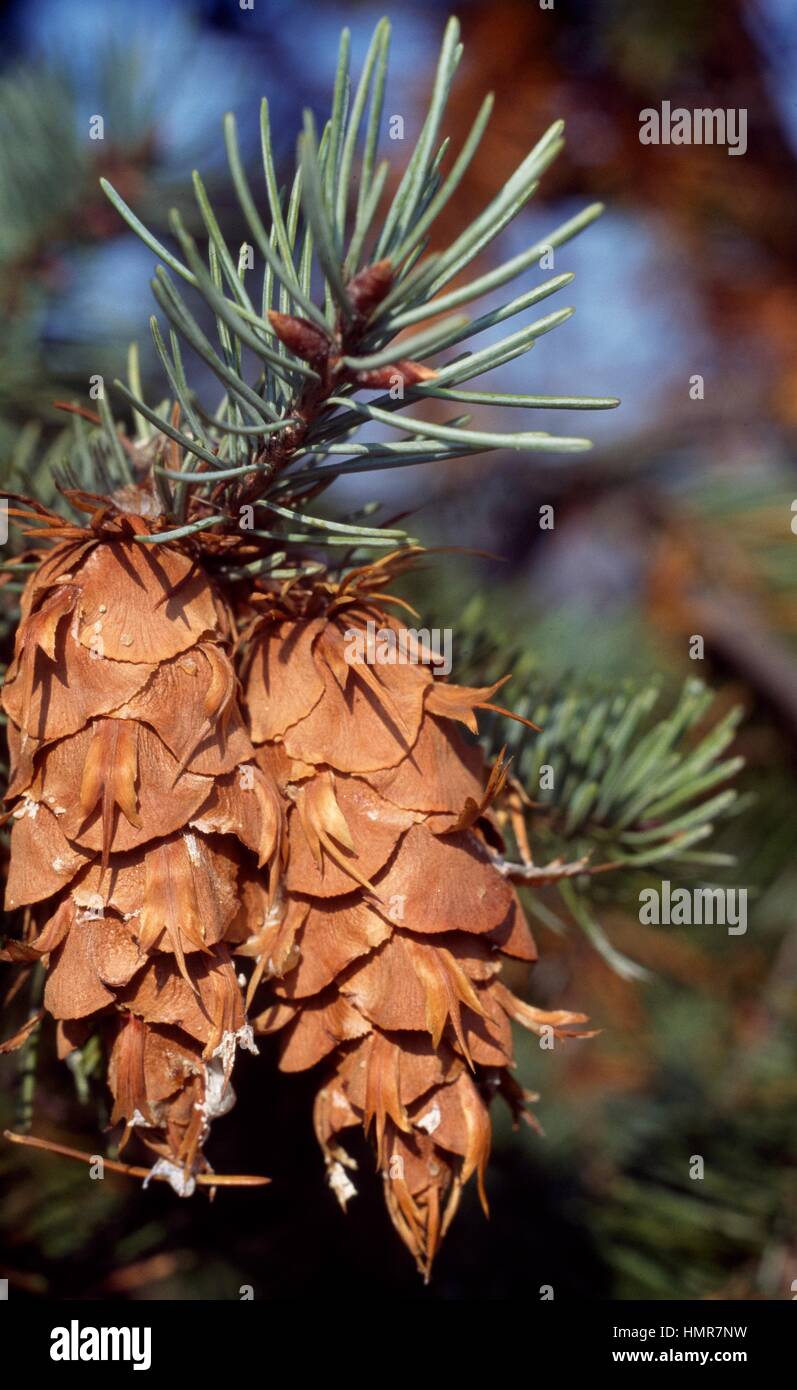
(132, 1170)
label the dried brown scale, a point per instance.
(139, 815)
(383, 964)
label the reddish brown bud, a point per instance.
(370, 286)
(300, 336)
(404, 372)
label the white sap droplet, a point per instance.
(341, 1183)
(219, 1094)
(430, 1120)
(192, 847)
(181, 1183)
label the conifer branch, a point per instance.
(287, 433)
